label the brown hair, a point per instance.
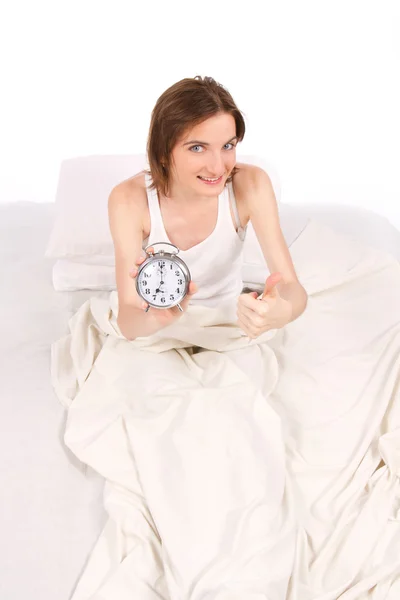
(183, 105)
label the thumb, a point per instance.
(271, 282)
(193, 289)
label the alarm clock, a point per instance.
(163, 278)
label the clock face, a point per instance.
(162, 282)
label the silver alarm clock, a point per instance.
(163, 278)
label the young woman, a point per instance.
(197, 197)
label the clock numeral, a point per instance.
(177, 272)
(180, 281)
(147, 275)
(171, 297)
(163, 299)
(161, 263)
(154, 296)
(178, 291)
(147, 291)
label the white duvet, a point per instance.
(236, 469)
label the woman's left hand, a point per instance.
(271, 311)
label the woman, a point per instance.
(197, 197)
(184, 425)
(179, 423)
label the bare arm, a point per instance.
(125, 222)
(125, 218)
(264, 216)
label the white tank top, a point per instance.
(215, 264)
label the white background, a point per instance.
(317, 81)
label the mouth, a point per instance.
(211, 181)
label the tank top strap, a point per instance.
(157, 226)
(241, 231)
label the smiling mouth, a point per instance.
(210, 179)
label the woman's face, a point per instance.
(207, 150)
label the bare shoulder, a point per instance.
(249, 183)
(130, 191)
(128, 197)
(249, 175)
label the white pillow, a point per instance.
(92, 259)
(81, 228)
(70, 276)
(362, 225)
(81, 223)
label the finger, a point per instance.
(133, 272)
(192, 289)
(271, 282)
(145, 255)
(244, 320)
(250, 302)
(247, 327)
(251, 317)
(247, 299)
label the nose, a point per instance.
(215, 164)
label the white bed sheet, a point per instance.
(51, 506)
(51, 512)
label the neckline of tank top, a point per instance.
(161, 222)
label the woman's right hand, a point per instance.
(166, 316)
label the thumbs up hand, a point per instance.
(270, 311)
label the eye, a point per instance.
(199, 146)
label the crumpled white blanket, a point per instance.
(245, 469)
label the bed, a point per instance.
(51, 510)
(51, 503)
